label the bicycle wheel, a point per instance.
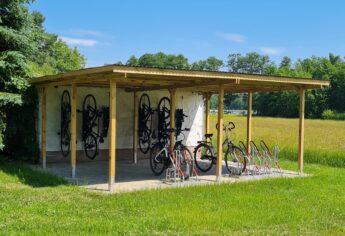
(65, 135)
(235, 161)
(91, 146)
(164, 110)
(89, 107)
(203, 157)
(158, 159)
(144, 142)
(188, 165)
(65, 140)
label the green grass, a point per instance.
(324, 139)
(34, 203)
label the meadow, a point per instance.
(324, 139)
(38, 203)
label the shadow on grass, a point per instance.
(30, 177)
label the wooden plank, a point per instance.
(301, 130)
(135, 128)
(44, 127)
(112, 136)
(207, 113)
(73, 143)
(172, 115)
(176, 85)
(220, 132)
(249, 119)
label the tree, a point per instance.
(15, 47)
(210, 64)
(160, 60)
(252, 63)
(26, 50)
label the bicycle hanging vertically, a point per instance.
(91, 126)
(145, 123)
(163, 117)
(65, 133)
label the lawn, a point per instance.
(37, 203)
(34, 203)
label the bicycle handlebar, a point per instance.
(230, 126)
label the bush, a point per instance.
(333, 115)
(20, 136)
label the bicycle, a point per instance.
(145, 123)
(205, 156)
(163, 116)
(65, 134)
(163, 156)
(91, 126)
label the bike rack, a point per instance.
(263, 164)
(271, 156)
(253, 168)
(174, 173)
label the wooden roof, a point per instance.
(144, 79)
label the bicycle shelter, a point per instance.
(135, 80)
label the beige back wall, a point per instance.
(192, 104)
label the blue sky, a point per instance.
(108, 31)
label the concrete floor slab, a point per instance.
(134, 177)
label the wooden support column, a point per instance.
(73, 143)
(220, 132)
(249, 119)
(207, 113)
(172, 115)
(301, 130)
(135, 128)
(44, 127)
(112, 136)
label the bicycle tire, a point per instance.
(237, 156)
(158, 163)
(188, 157)
(65, 143)
(162, 108)
(144, 142)
(65, 135)
(145, 123)
(209, 155)
(91, 146)
(86, 106)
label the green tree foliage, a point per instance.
(253, 63)
(160, 60)
(210, 64)
(26, 50)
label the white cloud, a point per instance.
(237, 38)
(79, 41)
(272, 51)
(84, 32)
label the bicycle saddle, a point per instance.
(208, 135)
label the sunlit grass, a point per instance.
(324, 139)
(312, 205)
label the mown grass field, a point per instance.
(324, 139)
(36, 203)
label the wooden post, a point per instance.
(301, 130)
(73, 143)
(249, 119)
(112, 136)
(220, 132)
(207, 114)
(135, 128)
(44, 128)
(172, 115)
